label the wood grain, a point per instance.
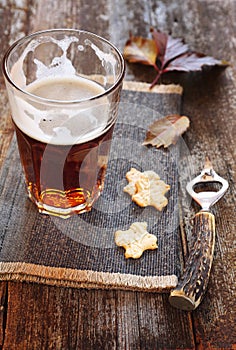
(209, 99)
(12, 27)
(42, 317)
(57, 318)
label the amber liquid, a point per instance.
(64, 178)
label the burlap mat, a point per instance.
(80, 251)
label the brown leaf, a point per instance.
(138, 49)
(166, 54)
(166, 131)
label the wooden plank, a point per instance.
(215, 319)
(3, 310)
(57, 318)
(209, 100)
(161, 326)
(69, 14)
(6, 127)
(12, 27)
(12, 23)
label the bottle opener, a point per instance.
(193, 283)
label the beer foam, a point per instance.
(62, 124)
(66, 88)
(58, 80)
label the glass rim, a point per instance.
(6, 72)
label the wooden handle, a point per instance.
(192, 285)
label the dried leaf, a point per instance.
(138, 49)
(191, 62)
(171, 47)
(161, 40)
(166, 54)
(166, 131)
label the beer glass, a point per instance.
(64, 88)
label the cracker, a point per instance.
(146, 188)
(132, 176)
(136, 240)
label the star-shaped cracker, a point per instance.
(135, 240)
(146, 188)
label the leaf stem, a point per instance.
(156, 67)
(156, 79)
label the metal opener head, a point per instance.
(207, 198)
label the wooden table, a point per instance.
(36, 316)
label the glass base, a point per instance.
(62, 213)
(64, 204)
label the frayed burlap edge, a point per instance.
(158, 89)
(141, 86)
(63, 277)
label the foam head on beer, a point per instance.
(63, 88)
(59, 81)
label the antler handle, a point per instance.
(192, 285)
